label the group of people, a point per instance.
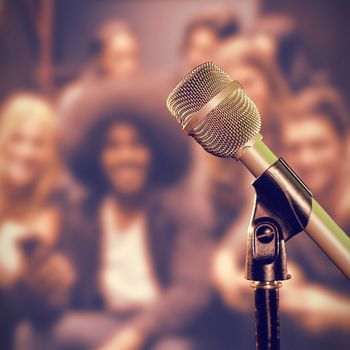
(118, 233)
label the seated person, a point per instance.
(142, 263)
(315, 304)
(315, 139)
(34, 277)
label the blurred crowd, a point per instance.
(119, 233)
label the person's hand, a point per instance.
(316, 308)
(229, 280)
(128, 338)
(12, 257)
(50, 278)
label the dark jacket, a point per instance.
(180, 249)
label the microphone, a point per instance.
(217, 113)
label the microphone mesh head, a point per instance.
(227, 127)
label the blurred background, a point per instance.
(88, 152)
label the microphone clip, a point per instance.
(282, 209)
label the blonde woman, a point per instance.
(29, 217)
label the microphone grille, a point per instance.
(228, 126)
(196, 89)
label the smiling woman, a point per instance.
(28, 155)
(28, 164)
(128, 143)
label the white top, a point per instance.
(127, 279)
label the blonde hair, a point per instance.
(36, 109)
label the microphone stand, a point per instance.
(282, 208)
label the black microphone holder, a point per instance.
(281, 210)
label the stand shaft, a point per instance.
(267, 325)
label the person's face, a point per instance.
(126, 160)
(120, 56)
(201, 47)
(315, 150)
(27, 153)
(254, 83)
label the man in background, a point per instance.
(204, 34)
(315, 307)
(315, 140)
(114, 53)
